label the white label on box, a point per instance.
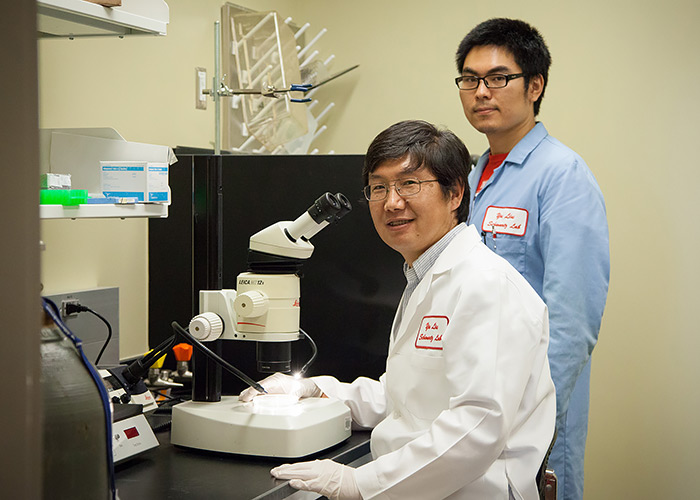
(145, 181)
(124, 179)
(157, 183)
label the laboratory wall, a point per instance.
(621, 93)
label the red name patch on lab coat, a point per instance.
(505, 220)
(430, 333)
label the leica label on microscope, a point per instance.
(246, 281)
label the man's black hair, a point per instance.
(520, 39)
(425, 146)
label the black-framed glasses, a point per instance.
(405, 187)
(495, 81)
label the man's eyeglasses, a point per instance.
(496, 81)
(405, 187)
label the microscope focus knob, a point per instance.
(206, 327)
(250, 304)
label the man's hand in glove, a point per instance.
(279, 383)
(326, 477)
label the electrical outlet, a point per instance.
(200, 84)
(65, 303)
(88, 327)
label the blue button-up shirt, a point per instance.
(563, 251)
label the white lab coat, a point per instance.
(466, 407)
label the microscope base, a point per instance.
(230, 426)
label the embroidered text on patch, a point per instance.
(431, 332)
(505, 220)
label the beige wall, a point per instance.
(621, 93)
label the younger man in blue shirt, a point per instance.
(537, 204)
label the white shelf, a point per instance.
(78, 152)
(78, 18)
(103, 211)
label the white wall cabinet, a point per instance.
(78, 18)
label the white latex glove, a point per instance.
(325, 477)
(279, 383)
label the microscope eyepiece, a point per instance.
(289, 240)
(345, 206)
(324, 208)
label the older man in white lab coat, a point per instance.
(466, 407)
